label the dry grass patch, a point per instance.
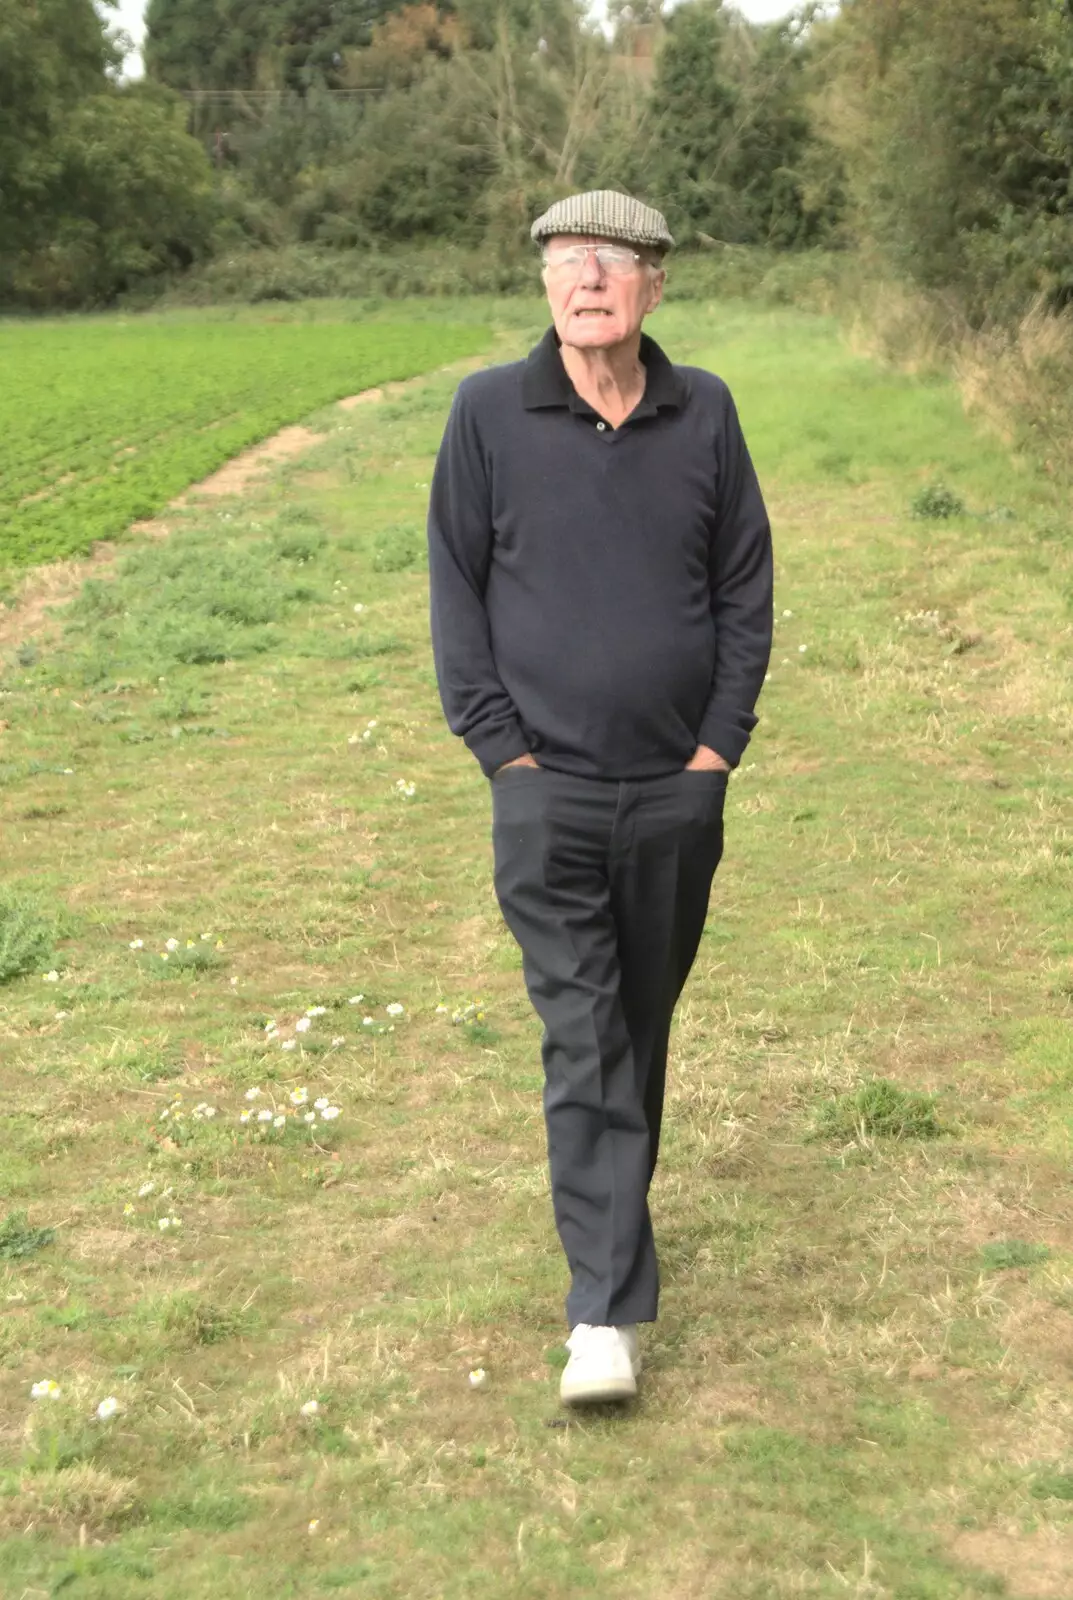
(74, 1501)
(1032, 1566)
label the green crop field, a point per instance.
(247, 870)
(104, 420)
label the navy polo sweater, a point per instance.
(601, 597)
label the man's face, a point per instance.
(591, 307)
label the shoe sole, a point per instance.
(595, 1390)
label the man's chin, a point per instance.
(593, 333)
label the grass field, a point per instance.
(860, 1383)
(104, 419)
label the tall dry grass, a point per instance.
(1020, 380)
(1017, 378)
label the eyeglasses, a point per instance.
(615, 259)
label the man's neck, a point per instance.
(611, 380)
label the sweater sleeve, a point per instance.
(741, 589)
(460, 537)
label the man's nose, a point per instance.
(592, 273)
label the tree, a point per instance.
(99, 184)
(132, 199)
(955, 119)
(732, 133)
(246, 44)
(52, 52)
(693, 106)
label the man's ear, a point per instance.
(655, 288)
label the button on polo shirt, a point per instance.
(600, 597)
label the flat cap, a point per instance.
(605, 214)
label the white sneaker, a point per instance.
(603, 1365)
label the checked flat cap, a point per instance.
(604, 214)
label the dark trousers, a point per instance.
(605, 887)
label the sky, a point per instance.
(130, 15)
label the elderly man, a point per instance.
(601, 577)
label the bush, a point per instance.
(26, 936)
(813, 279)
(314, 272)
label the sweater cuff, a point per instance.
(727, 733)
(494, 746)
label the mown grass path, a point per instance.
(860, 1381)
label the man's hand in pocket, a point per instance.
(519, 761)
(705, 759)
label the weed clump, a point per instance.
(198, 1322)
(878, 1109)
(1006, 1253)
(1052, 1486)
(399, 549)
(936, 503)
(17, 1240)
(195, 958)
(26, 936)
